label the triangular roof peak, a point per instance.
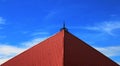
(62, 49)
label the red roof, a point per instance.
(62, 49)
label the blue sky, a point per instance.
(24, 23)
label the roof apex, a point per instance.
(64, 27)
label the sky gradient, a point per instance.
(24, 23)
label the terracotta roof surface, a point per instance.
(62, 49)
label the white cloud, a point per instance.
(119, 63)
(2, 60)
(28, 44)
(9, 51)
(51, 14)
(110, 51)
(4, 49)
(40, 33)
(106, 27)
(2, 20)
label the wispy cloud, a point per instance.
(110, 51)
(52, 14)
(9, 51)
(106, 27)
(31, 43)
(2, 20)
(4, 49)
(119, 63)
(40, 33)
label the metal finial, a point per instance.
(64, 27)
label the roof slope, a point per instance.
(46, 53)
(62, 49)
(78, 53)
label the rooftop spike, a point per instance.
(64, 27)
(61, 49)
